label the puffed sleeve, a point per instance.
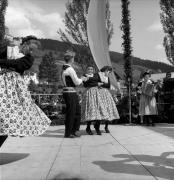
(77, 81)
(107, 85)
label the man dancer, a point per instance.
(70, 81)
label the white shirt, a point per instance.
(103, 78)
(71, 72)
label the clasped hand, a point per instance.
(84, 78)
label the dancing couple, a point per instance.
(97, 102)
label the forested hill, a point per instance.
(116, 58)
(148, 64)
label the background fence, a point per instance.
(53, 105)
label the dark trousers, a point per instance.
(73, 115)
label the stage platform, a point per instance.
(127, 153)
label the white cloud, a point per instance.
(156, 26)
(19, 24)
(159, 47)
(52, 22)
(24, 18)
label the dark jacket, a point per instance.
(19, 65)
(93, 82)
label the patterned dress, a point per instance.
(147, 105)
(19, 115)
(97, 102)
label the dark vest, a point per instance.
(68, 80)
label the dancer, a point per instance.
(19, 115)
(88, 85)
(97, 102)
(107, 97)
(70, 81)
(147, 105)
(3, 55)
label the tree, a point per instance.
(127, 49)
(49, 72)
(3, 6)
(76, 29)
(167, 20)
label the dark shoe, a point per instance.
(76, 134)
(70, 136)
(97, 128)
(88, 130)
(107, 130)
(21, 136)
(98, 132)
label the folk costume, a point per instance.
(97, 101)
(86, 84)
(147, 101)
(19, 115)
(70, 81)
(147, 105)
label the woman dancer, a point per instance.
(88, 84)
(19, 115)
(97, 101)
(108, 100)
(148, 106)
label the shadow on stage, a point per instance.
(160, 166)
(6, 158)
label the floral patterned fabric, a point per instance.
(19, 115)
(98, 104)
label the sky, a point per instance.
(44, 17)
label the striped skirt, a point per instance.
(98, 104)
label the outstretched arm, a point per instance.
(20, 65)
(77, 81)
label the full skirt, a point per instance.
(19, 115)
(98, 104)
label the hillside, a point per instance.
(139, 65)
(142, 63)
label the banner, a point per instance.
(97, 36)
